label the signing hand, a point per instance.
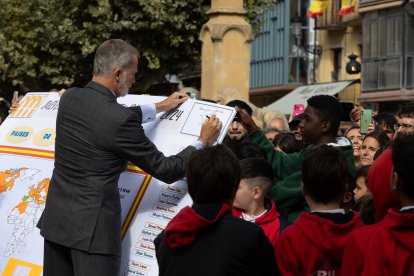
(210, 130)
(172, 101)
(14, 105)
(247, 120)
(61, 91)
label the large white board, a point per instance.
(26, 165)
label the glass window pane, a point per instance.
(366, 41)
(391, 31)
(382, 38)
(410, 35)
(374, 39)
(398, 35)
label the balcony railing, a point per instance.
(382, 74)
(331, 18)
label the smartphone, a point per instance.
(366, 119)
(298, 109)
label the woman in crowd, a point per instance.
(356, 138)
(373, 141)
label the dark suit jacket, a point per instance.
(95, 137)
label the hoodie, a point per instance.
(287, 193)
(208, 240)
(379, 177)
(391, 251)
(356, 249)
(185, 226)
(314, 245)
(269, 222)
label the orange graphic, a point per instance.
(19, 267)
(37, 194)
(7, 178)
(21, 207)
(28, 106)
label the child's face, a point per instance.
(244, 196)
(361, 188)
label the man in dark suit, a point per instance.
(95, 137)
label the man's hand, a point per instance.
(247, 120)
(356, 113)
(14, 106)
(61, 91)
(210, 130)
(172, 101)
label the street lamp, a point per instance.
(353, 66)
(296, 23)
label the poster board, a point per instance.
(26, 164)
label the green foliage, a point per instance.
(50, 43)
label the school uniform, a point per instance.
(287, 194)
(391, 251)
(314, 245)
(209, 240)
(379, 184)
(357, 248)
(269, 221)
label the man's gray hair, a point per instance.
(111, 54)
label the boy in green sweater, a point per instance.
(320, 125)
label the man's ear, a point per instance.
(117, 74)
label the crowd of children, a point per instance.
(335, 206)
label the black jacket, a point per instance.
(95, 137)
(229, 246)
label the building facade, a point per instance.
(387, 53)
(279, 58)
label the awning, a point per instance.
(301, 94)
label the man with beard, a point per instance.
(320, 125)
(237, 133)
(95, 137)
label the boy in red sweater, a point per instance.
(391, 251)
(314, 244)
(251, 202)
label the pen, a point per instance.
(208, 117)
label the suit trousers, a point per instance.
(65, 261)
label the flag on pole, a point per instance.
(317, 8)
(347, 7)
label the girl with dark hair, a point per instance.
(372, 142)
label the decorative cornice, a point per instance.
(217, 31)
(226, 11)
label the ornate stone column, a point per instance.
(225, 53)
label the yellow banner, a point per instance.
(317, 8)
(347, 7)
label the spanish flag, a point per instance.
(347, 6)
(317, 8)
